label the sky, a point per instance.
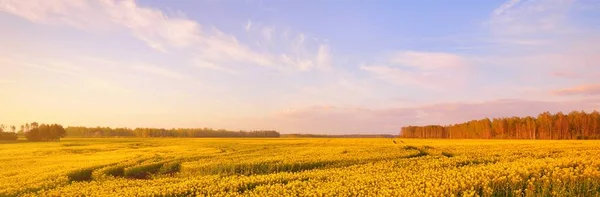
(323, 67)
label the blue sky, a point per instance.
(295, 66)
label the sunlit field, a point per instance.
(299, 167)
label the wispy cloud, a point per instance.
(424, 69)
(536, 37)
(299, 53)
(585, 90)
(324, 57)
(158, 30)
(530, 17)
(201, 63)
(75, 68)
(51, 65)
(267, 32)
(506, 6)
(347, 119)
(156, 70)
(428, 60)
(248, 26)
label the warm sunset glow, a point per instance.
(275, 64)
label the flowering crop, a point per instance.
(299, 167)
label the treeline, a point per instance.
(45, 132)
(338, 136)
(34, 132)
(158, 132)
(575, 125)
(6, 135)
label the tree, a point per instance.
(545, 125)
(575, 125)
(13, 128)
(595, 122)
(531, 127)
(45, 132)
(34, 125)
(7, 135)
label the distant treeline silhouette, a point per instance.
(8, 135)
(158, 132)
(45, 132)
(5, 135)
(34, 132)
(338, 136)
(575, 125)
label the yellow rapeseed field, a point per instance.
(299, 167)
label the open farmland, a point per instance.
(299, 166)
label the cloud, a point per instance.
(464, 111)
(298, 52)
(506, 6)
(586, 90)
(543, 43)
(222, 48)
(248, 26)
(565, 74)
(428, 60)
(212, 66)
(267, 32)
(153, 27)
(156, 70)
(64, 69)
(393, 75)
(324, 57)
(347, 119)
(423, 69)
(52, 65)
(575, 58)
(530, 17)
(158, 30)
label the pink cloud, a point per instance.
(586, 90)
(434, 70)
(353, 120)
(530, 17)
(565, 74)
(428, 60)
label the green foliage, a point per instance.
(421, 153)
(170, 167)
(158, 132)
(142, 171)
(44, 132)
(115, 171)
(447, 154)
(409, 147)
(81, 174)
(8, 136)
(271, 167)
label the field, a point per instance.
(299, 167)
